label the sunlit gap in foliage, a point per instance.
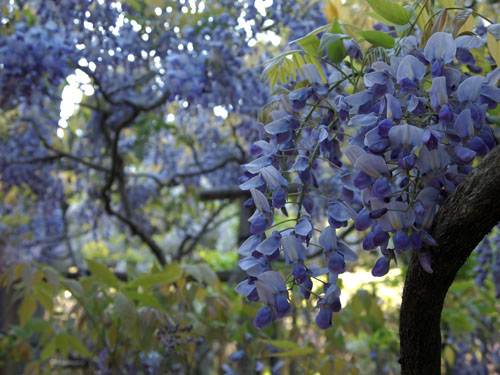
(78, 85)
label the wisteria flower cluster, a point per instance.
(397, 147)
(34, 59)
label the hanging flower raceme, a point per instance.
(382, 158)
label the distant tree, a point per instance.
(171, 93)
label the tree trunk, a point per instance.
(466, 217)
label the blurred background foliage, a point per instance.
(91, 298)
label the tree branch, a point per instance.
(175, 179)
(182, 250)
(465, 218)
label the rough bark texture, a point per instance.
(461, 223)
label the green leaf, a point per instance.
(449, 355)
(52, 277)
(170, 274)
(294, 352)
(62, 343)
(327, 39)
(314, 32)
(281, 344)
(378, 38)
(144, 299)
(493, 40)
(208, 274)
(356, 306)
(275, 66)
(447, 3)
(48, 350)
(495, 31)
(78, 346)
(460, 19)
(376, 313)
(27, 309)
(102, 273)
(27, 276)
(74, 287)
(310, 44)
(336, 50)
(43, 297)
(194, 271)
(124, 308)
(392, 12)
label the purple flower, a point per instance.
(306, 288)
(464, 154)
(336, 263)
(401, 241)
(279, 198)
(324, 318)
(410, 70)
(445, 114)
(270, 244)
(363, 221)
(381, 188)
(439, 50)
(283, 307)
(299, 273)
(384, 126)
(381, 267)
(438, 92)
(264, 317)
(463, 124)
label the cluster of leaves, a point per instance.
(379, 144)
(168, 321)
(113, 326)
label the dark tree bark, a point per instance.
(468, 214)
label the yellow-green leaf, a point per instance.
(332, 10)
(102, 273)
(310, 44)
(78, 346)
(144, 299)
(170, 274)
(27, 275)
(43, 297)
(376, 313)
(27, 309)
(377, 38)
(74, 287)
(48, 350)
(327, 39)
(281, 344)
(449, 355)
(447, 3)
(391, 11)
(124, 308)
(336, 50)
(208, 274)
(493, 40)
(62, 344)
(294, 352)
(52, 277)
(459, 20)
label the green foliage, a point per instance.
(392, 12)
(100, 312)
(378, 38)
(336, 50)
